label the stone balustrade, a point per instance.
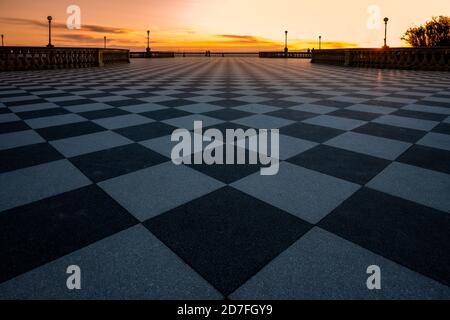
(167, 54)
(280, 54)
(107, 56)
(153, 54)
(35, 58)
(391, 58)
(216, 54)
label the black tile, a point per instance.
(229, 103)
(110, 163)
(140, 95)
(165, 114)
(228, 114)
(384, 103)
(310, 132)
(390, 132)
(272, 95)
(54, 95)
(105, 113)
(426, 157)
(443, 128)
(11, 87)
(358, 115)
(124, 103)
(222, 127)
(42, 113)
(315, 96)
(425, 90)
(13, 126)
(436, 103)
(153, 89)
(228, 173)
(359, 95)
(333, 103)
(42, 231)
(227, 95)
(69, 130)
(347, 165)
(227, 236)
(189, 88)
(412, 235)
(25, 102)
(146, 131)
(279, 103)
(96, 95)
(33, 89)
(419, 115)
(176, 103)
(440, 95)
(74, 102)
(404, 95)
(292, 114)
(184, 95)
(11, 95)
(112, 89)
(21, 157)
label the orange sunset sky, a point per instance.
(229, 25)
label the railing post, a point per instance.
(347, 61)
(100, 58)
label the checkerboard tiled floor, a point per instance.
(86, 179)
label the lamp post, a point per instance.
(3, 44)
(148, 40)
(385, 32)
(49, 18)
(104, 42)
(320, 42)
(285, 42)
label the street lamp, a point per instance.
(285, 42)
(104, 42)
(49, 18)
(385, 32)
(320, 42)
(148, 40)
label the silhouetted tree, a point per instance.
(434, 33)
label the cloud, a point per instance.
(59, 25)
(325, 44)
(78, 37)
(103, 29)
(245, 39)
(236, 36)
(240, 38)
